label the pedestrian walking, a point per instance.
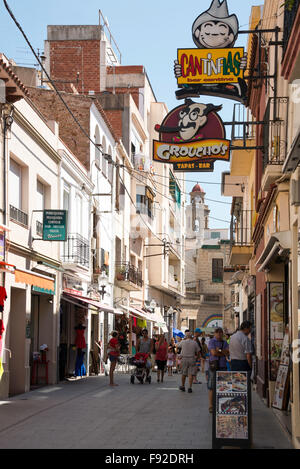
(178, 355)
(189, 352)
(145, 345)
(240, 348)
(113, 353)
(204, 356)
(161, 347)
(170, 360)
(218, 351)
(197, 335)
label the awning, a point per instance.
(280, 241)
(74, 299)
(36, 280)
(138, 314)
(5, 267)
(293, 157)
(4, 228)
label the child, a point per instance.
(171, 360)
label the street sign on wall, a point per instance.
(55, 225)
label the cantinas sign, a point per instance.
(216, 67)
(192, 137)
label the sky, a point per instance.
(148, 33)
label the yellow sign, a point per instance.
(208, 149)
(210, 66)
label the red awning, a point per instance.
(89, 301)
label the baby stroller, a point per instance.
(140, 370)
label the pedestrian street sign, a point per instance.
(55, 225)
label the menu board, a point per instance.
(276, 315)
(281, 386)
(231, 409)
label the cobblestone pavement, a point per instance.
(90, 414)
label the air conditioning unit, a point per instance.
(295, 192)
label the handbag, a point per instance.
(215, 364)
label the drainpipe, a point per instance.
(7, 120)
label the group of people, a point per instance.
(191, 353)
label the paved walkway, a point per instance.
(90, 414)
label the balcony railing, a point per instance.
(18, 215)
(76, 250)
(241, 228)
(243, 130)
(129, 273)
(276, 131)
(290, 13)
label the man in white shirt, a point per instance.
(189, 352)
(240, 349)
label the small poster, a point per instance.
(276, 315)
(232, 404)
(231, 382)
(232, 427)
(282, 381)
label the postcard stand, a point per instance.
(232, 423)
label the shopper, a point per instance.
(241, 349)
(189, 352)
(113, 353)
(205, 355)
(197, 335)
(218, 351)
(178, 355)
(171, 358)
(161, 347)
(145, 345)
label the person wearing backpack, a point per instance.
(218, 351)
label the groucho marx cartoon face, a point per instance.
(193, 117)
(215, 28)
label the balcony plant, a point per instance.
(121, 273)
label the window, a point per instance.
(174, 190)
(110, 168)
(215, 235)
(79, 214)
(217, 270)
(104, 162)
(15, 185)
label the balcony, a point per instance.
(241, 237)
(290, 14)
(18, 215)
(76, 251)
(128, 277)
(275, 140)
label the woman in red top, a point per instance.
(161, 357)
(113, 354)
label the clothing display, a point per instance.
(80, 369)
(3, 296)
(80, 339)
(2, 329)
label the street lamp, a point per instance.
(103, 281)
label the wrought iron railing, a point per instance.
(18, 215)
(275, 131)
(39, 228)
(243, 130)
(241, 228)
(129, 273)
(76, 250)
(290, 13)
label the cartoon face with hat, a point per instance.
(215, 29)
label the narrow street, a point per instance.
(88, 414)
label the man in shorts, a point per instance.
(189, 352)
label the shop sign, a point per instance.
(192, 137)
(55, 225)
(216, 67)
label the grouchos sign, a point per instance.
(192, 137)
(216, 67)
